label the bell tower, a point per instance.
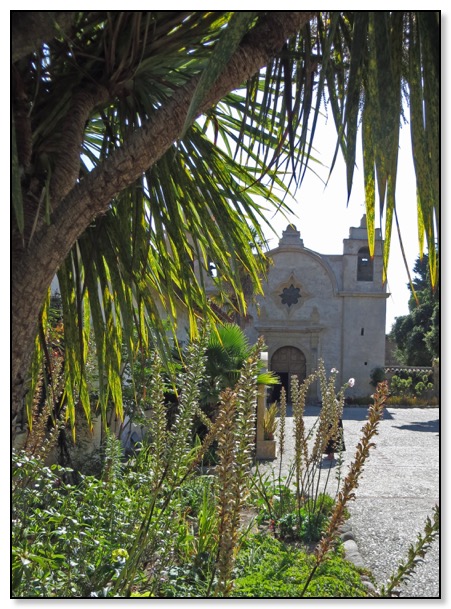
(364, 308)
(361, 272)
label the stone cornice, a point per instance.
(289, 327)
(364, 294)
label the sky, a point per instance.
(324, 219)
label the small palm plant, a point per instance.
(227, 351)
(269, 422)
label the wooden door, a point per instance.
(287, 361)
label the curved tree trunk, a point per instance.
(34, 267)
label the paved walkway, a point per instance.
(398, 489)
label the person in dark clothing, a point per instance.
(336, 444)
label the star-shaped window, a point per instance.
(290, 295)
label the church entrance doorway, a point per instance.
(286, 362)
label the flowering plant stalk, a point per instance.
(299, 393)
(235, 448)
(178, 462)
(351, 482)
(282, 420)
(269, 421)
(308, 464)
(415, 554)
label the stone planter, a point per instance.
(266, 449)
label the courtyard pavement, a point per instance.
(397, 490)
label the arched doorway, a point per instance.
(286, 362)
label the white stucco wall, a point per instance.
(336, 317)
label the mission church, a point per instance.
(329, 307)
(317, 306)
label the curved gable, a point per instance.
(309, 267)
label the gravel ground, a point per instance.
(397, 490)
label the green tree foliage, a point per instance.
(118, 188)
(417, 335)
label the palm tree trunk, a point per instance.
(35, 266)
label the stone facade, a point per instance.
(316, 306)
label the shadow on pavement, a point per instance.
(350, 413)
(430, 426)
(361, 414)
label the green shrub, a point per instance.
(152, 527)
(334, 586)
(68, 540)
(413, 401)
(377, 375)
(273, 498)
(288, 519)
(400, 386)
(184, 581)
(411, 384)
(192, 494)
(274, 569)
(307, 523)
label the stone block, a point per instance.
(266, 450)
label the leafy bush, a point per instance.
(152, 527)
(413, 401)
(377, 375)
(290, 521)
(401, 386)
(193, 494)
(68, 540)
(411, 384)
(275, 569)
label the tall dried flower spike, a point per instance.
(180, 438)
(235, 450)
(350, 483)
(298, 396)
(415, 553)
(282, 420)
(226, 485)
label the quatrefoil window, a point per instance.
(290, 295)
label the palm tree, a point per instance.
(117, 188)
(227, 351)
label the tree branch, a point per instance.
(148, 144)
(69, 140)
(144, 147)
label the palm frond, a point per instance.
(237, 26)
(97, 84)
